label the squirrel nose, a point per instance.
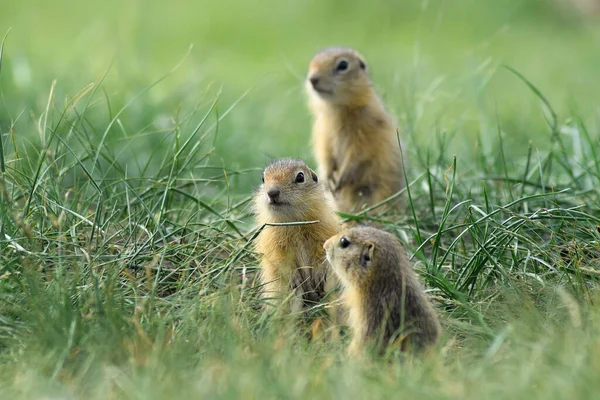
(273, 193)
(314, 81)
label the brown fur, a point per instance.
(293, 259)
(354, 137)
(386, 301)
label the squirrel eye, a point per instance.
(344, 242)
(342, 65)
(300, 177)
(263, 179)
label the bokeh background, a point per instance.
(437, 64)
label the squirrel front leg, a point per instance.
(350, 172)
(323, 150)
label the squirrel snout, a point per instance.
(273, 194)
(314, 81)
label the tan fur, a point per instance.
(354, 137)
(386, 302)
(293, 259)
(353, 301)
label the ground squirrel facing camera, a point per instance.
(354, 137)
(385, 300)
(293, 259)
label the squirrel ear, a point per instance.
(366, 255)
(362, 64)
(313, 174)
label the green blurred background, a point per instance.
(436, 64)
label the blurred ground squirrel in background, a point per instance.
(293, 259)
(386, 302)
(354, 137)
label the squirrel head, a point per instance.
(290, 192)
(360, 256)
(339, 76)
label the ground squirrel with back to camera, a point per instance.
(386, 302)
(293, 259)
(354, 137)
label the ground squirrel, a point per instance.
(293, 259)
(354, 137)
(385, 300)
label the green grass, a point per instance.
(126, 263)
